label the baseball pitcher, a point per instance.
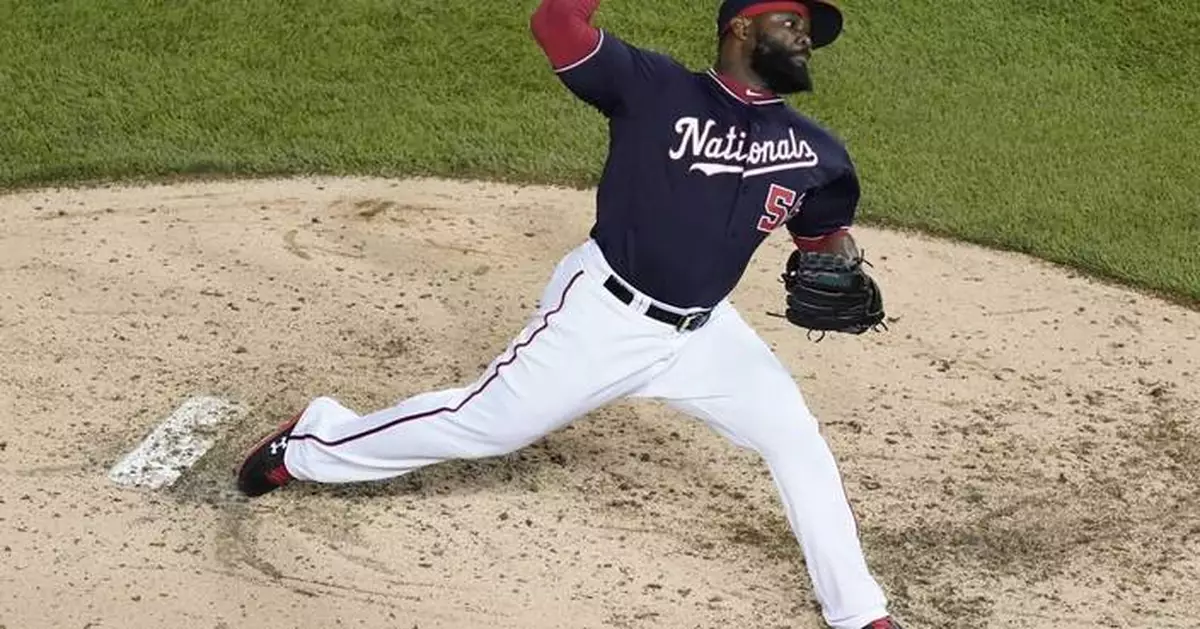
(702, 167)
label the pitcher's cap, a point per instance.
(825, 18)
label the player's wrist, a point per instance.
(840, 242)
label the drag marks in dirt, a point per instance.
(240, 553)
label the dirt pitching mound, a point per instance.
(1022, 446)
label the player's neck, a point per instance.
(740, 74)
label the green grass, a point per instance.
(1064, 129)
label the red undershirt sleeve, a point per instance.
(563, 29)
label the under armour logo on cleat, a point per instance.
(276, 446)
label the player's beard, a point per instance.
(779, 69)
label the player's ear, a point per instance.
(739, 27)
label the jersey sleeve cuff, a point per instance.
(587, 57)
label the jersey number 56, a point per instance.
(780, 206)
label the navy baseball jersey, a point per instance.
(700, 171)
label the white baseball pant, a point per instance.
(581, 349)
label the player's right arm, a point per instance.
(596, 66)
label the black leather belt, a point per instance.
(689, 322)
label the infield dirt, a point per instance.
(1021, 447)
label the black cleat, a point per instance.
(263, 470)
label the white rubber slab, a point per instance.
(175, 444)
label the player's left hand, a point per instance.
(830, 292)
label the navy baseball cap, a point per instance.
(823, 16)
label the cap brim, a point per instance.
(826, 22)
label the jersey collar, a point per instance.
(741, 92)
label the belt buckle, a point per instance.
(687, 321)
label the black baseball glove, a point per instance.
(829, 292)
